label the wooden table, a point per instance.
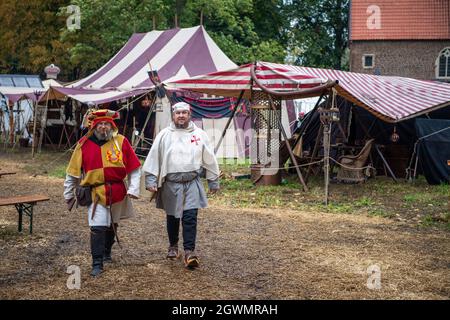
(24, 204)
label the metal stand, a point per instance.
(26, 208)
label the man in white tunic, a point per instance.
(101, 161)
(179, 155)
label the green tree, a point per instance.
(34, 33)
(238, 27)
(105, 28)
(318, 35)
(29, 35)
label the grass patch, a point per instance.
(379, 212)
(58, 171)
(410, 198)
(364, 202)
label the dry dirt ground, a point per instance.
(245, 253)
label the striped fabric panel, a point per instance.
(176, 53)
(391, 98)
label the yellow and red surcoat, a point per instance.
(104, 167)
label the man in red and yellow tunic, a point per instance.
(102, 160)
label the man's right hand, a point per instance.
(152, 189)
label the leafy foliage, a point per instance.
(34, 33)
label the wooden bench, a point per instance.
(24, 204)
(6, 173)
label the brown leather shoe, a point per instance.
(191, 261)
(172, 253)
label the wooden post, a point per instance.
(201, 17)
(43, 125)
(33, 144)
(326, 158)
(154, 23)
(11, 124)
(3, 128)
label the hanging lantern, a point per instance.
(334, 113)
(394, 136)
(328, 116)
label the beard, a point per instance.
(103, 136)
(182, 126)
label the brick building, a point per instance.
(409, 38)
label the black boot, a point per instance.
(98, 235)
(109, 241)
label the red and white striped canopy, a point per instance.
(280, 78)
(392, 99)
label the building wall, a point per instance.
(408, 58)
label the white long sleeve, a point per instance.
(134, 182)
(69, 186)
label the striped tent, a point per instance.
(389, 98)
(278, 78)
(175, 54)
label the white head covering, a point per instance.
(179, 106)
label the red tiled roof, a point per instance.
(400, 20)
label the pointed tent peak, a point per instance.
(195, 28)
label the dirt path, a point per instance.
(245, 254)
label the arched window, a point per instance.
(443, 64)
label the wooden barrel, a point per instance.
(262, 176)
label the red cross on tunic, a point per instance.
(195, 139)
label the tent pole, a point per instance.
(288, 145)
(43, 125)
(386, 164)
(17, 122)
(126, 118)
(11, 124)
(229, 121)
(316, 148)
(33, 144)
(415, 166)
(308, 120)
(63, 128)
(142, 135)
(326, 158)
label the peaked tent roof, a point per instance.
(175, 54)
(392, 99)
